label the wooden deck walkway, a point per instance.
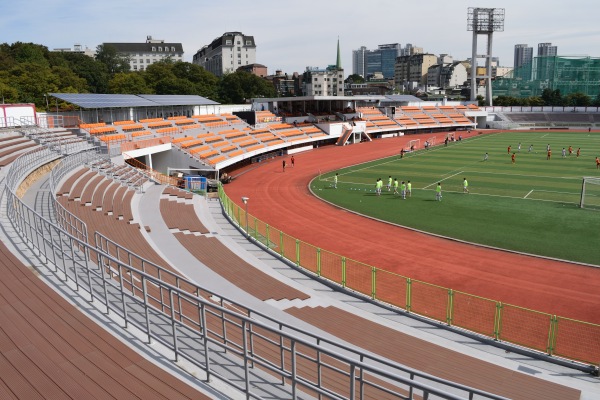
(49, 349)
(430, 358)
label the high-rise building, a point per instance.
(547, 50)
(523, 60)
(227, 53)
(388, 54)
(142, 55)
(411, 70)
(382, 60)
(358, 61)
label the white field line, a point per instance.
(507, 197)
(531, 191)
(441, 180)
(522, 175)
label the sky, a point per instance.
(292, 36)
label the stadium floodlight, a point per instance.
(483, 21)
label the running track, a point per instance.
(282, 199)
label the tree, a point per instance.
(552, 97)
(114, 62)
(94, 72)
(30, 53)
(240, 87)
(128, 83)
(578, 99)
(355, 78)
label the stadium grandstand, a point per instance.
(550, 117)
(122, 278)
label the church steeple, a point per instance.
(338, 63)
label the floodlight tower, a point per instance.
(484, 21)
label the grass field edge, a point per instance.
(481, 245)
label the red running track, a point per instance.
(282, 199)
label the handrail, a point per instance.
(151, 173)
(188, 313)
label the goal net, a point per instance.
(413, 145)
(590, 193)
(430, 142)
(451, 137)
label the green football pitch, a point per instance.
(531, 205)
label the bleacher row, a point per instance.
(414, 117)
(127, 129)
(13, 144)
(539, 117)
(210, 138)
(215, 145)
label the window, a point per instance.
(239, 55)
(239, 48)
(238, 42)
(148, 60)
(239, 62)
(228, 42)
(248, 42)
(141, 60)
(135, 67)
(172, 48)
(153, 48)
(160, 49)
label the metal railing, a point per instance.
(185, 318)
(530, 329)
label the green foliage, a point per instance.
(549, 97)
(95, 73)
(128, 83)
(113, 61)
(239, 87)
(355, 78)
(29, 71)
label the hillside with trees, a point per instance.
(28, 72)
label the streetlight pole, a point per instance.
(245, 200)
(47, 106)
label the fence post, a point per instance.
(498, 321)
(268, 236)
(552, 334)
(318, 261)
(408, 294)
(297, 252)
(450, 307)
(373, 283)
(343, 271)
(281, 250)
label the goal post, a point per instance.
(590, 193)
(413, 145)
